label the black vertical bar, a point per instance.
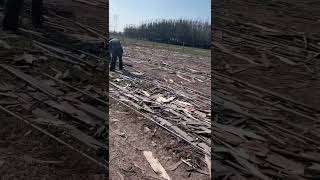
(37, 10)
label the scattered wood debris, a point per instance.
(44, 83)
(259, 133)
(155, 164)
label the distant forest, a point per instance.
(178, 32)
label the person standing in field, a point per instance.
(116, 51)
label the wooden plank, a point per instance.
(228, 51)
(46, 118)
(239, 132)
(32, 81)
(92, 110)
(219, 75)
(182, 133)
(74, 88)
(67, 108)
(238, 109)
(63, 52)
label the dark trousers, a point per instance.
(37, 10)
(114, 56)
(2, 2)
(12, 12)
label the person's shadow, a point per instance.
(132, 74)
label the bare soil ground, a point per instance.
(131, 134)
(168, 90)
(266, 81)
(45, 79)
(27, 154)
(185, 69)
(291, 18)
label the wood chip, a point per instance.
(208, 161)
(313, 169)
(155, 165)
(286, 60)
(120, 175)
(1, 163)
(4, 44)
(28, 58)
(175, 166)
(165, 100)
(240, 132)
(30, 159)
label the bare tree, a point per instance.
(195, 33)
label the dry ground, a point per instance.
(27, 153)
(266, 78)
(159, 71)
(131, 134)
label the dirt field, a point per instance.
(27, 154)
(131, 134)
(54, 96)
(172, 105)
(281, 31)
(266, 81)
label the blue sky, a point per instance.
(134, 12)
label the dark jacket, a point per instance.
(115, 46)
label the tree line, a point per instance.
(179, 32)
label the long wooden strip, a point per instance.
(238, 109)
(46, 118)
(215, 73)
(92, 110)
(228, 51)
(161, 125)
(63, 52)
(32, 81)
(74, 88)
(67, 108)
